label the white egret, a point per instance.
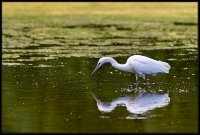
(138, 64)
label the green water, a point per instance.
(47, 84)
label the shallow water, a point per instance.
(48, 87)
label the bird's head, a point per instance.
(101, 61)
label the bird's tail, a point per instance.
(166, 66)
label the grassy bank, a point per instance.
(160, 9)
(93, 29)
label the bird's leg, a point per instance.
(136, 88)
(143, 77)
(145, 81)
(136, 76)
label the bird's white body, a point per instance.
(143, 65)
(138, 64)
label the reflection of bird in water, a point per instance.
(138, 64)
(108, 107)
(138, 105)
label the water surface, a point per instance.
(47, 84)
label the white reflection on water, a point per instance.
(139, 104)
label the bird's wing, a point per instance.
(143, 68)
(144, 65)
(141, 59)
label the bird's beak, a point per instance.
(95, 98)
(95, 69)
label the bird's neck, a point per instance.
(122, 67)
